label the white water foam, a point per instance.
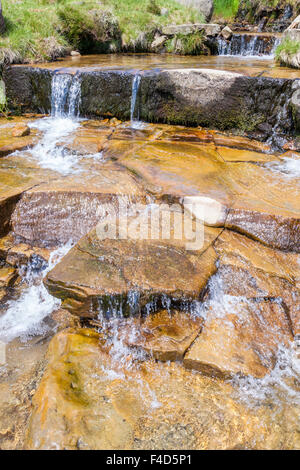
(134, 109)
(51, 151)
(287, 166)
(279, 386)
(48, 152)
(25, 316)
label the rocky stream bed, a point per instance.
(140, 342)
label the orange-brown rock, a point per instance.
(64, 319)
(7, 276)
(254, 271)
(88, 141)
(88, 399)
(240, 155)
(6, 243)
(21, 254)
(74, 205)
(23, 144)
(20, 130)
(106, 273)
(17, 174)
(164, 335)
(241, 339)
(242, 143)
(2, 293)
(260, 203)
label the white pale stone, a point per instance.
(210, 211)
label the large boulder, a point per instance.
(211, 98)
(215, 98)
(206, 7)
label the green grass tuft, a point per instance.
(226, 9)
(40, 30)
(287, 46)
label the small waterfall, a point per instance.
(65, 103)
(246, 45)
(25, 317)
(283, 380)
(65, 95)
(135, 89)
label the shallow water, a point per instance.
(244, 65)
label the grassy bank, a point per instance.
(39, 30)
(226, 9)
(251, 9)
(288, 53)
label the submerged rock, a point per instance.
(89, 400)
(20, 130)
(241, 338)
(266, 213)
(74, 205)
(253, 271)
(166, 336)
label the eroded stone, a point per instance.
(165, 335)
(89, 400)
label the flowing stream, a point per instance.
(243, 45)
(134, 108)
(27, 315)
(52, 151)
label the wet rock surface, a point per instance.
(110, 274)
(213, 98)
(85, 401)
(176, 337)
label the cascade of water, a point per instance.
(65, 95)
(135, 89)
(242, 45)
(65, 102)
(283, 380)
(25, 316)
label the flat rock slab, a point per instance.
(14, 181)
(7, 276)
(69, 207)
(126, 275)
(89, 400)
(253, 271)
(258, 202)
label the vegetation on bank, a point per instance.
(250, 10)
(288, 53)
(226, 9)
(39, 30)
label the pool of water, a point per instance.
(252, 66)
